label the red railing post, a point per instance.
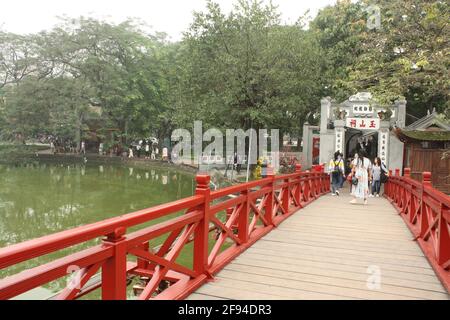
(426, 179)
(298, 190)
(424, 225)
(407, 172)
(270, 197)
(142, 263)
(327, 183)
(201, 234)
(398, 191)
(444, 242)
(312, 181)
(243, 232)
(409, 197)
(402, 196)
(114, 270)
(285, 197)
(323, 180)
(306, 183)
(443, 249)
(317, 182)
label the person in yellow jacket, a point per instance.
(337, 172)
(257, 173)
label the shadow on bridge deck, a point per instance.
(331, 250)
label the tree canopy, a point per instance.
(240, 69)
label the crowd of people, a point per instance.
(147, 149)
(365, 177)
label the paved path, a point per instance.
(331, 250)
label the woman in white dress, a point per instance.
(361, 169)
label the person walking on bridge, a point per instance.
(362, 172)
(337, 169)
(377, 169)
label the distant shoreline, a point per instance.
(30, 153)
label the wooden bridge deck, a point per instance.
(330, 250)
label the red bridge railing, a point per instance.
(426, 211)
(242, 214)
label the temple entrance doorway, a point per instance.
(357, 140)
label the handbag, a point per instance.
(349, 178)
(354, 181)
(383, 177)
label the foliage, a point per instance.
(237, 70)
(245, 69)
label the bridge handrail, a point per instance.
(426, 211)
(47, 244)
(258, 207)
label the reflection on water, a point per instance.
(40, 199)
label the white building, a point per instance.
(357, 123)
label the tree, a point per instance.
(115, 67)
(247, 70)
(339, 29)
(121, 64)
(407, 57)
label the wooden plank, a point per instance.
(351, 252)
(233, 293)
(324, 237)
(306, 233)
(310, 252)
(338, 291)
(388, 230)
(199, 296)
(346, 218)
(324, 252)
(416, 283)
(313, 256)
(346, 244)
(345, 283)
(362, 269)
(245, 290)
(347, 233)
(344, 230)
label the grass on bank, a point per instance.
(13, 151)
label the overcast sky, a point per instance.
(170, 16)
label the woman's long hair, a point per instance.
(378, 161)
(361, 155)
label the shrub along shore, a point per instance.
(17, 153)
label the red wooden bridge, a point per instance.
(281, 237)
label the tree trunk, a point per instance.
(78, 131)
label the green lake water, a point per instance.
(39, 199)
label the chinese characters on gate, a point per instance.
(383, 146)
(363, 123)
(339, 140)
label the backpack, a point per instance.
(337, 169)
